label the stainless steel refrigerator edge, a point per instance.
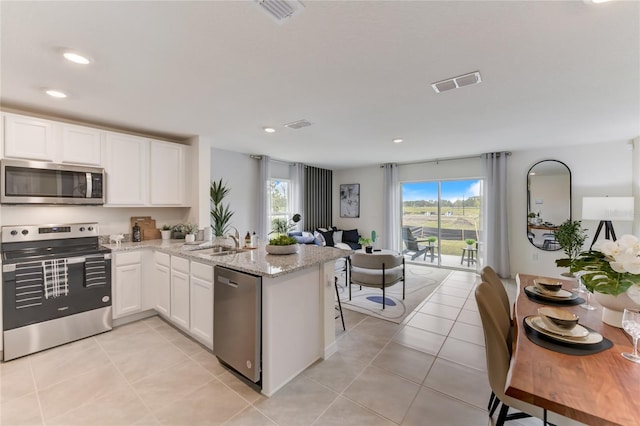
(237, 321)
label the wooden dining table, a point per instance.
(598, 389)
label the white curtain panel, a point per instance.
(297, 176)
(264, 208)
(496, 239)
(391, 208)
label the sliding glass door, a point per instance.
(440, 221)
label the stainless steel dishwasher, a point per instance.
(237, 321)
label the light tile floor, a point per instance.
(430, 370)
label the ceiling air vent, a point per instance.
(457, 82)
(280, 10)
(298, 124)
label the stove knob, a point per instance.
(25, 232)
(91, 228)
(14, 232)
(82, 229)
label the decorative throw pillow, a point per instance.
(337, 237)
(351, 236)
(328, 238)
(319, 238)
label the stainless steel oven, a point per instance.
(36, 182)
(56, 286)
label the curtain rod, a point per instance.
(437, 160)
(259, 157)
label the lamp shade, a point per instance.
(607, 208)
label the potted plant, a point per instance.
(190, 232)
(282, 244)
(470, 243)
(532, 218)
(220, 214)
(281, 226)
(165, 231)
(177, 231)
(432, 239)
(571, 237)
(366, 243)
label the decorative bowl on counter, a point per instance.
(288, 249)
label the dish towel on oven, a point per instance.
(95, 271)
(56, 278)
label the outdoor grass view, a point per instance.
(449, 210)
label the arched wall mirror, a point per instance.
(548, 202)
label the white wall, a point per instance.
(240, 173)
(596, 170)
(110, 220)
(370, 180)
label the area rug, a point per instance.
(421, 281)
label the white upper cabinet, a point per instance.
(127, 158)
(80, 145)
(167, 173)
(28, 137)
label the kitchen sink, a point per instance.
(220, 251)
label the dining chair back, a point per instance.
(377, 271)
(496, 326)
(489, 276)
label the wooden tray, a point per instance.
(148, 229)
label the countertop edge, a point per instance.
(254, 261)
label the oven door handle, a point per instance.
(73, 260)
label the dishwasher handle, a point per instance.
(227, 281)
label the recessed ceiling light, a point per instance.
(76, 57)
(397, 140)
(269, 129)
(56, 94)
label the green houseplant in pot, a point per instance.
(366, 243)
(571, 237)
(611, 271)
(282, 243)
(220, 214)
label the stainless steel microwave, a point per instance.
(36, 182)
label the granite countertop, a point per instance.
(253, 261)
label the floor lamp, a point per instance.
(606, 210)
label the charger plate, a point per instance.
(534, 296)
(564, 347)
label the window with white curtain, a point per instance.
(280, 200)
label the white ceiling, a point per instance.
(554, 73)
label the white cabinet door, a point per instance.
(127, 294)
(162, 279)
(127, 173)
(202, 303)
(27, 137)
(180, 292)
(80, 145)
(167, 173)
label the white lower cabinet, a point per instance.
(162, 281)
(180, 305)
(202, 303)
(179, 290)
(127, 288)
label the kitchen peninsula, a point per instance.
(176, 280)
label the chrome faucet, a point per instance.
(235, 237)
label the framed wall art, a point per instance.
(350, 200)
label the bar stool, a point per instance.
(339, 307)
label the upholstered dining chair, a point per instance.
(489, 276)
(377, 271)
(496, 325)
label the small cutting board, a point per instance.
(147, 226)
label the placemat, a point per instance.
(535, 298)
(566, 348)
